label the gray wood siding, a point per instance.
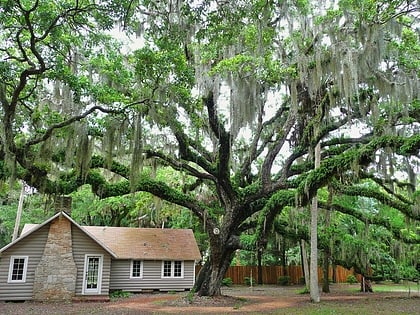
(82, 245)
(31, 246)
(152, 277)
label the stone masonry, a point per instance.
(55, 275)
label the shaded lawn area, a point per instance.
(385, 306)
(387, 299)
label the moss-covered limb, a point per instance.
(165, 192)
(201, 157)
(408, 116)
(68, 183)
(102, 188)
(299, 232)
(362, 156)
(245, 218)
(335, 147)
(371, 219)
(273, 207)
(401, 145)
(65, 183)
(37, 176)
(306, 166)
(298, 169)
(326, 130)
(48, 132)
(38, 179)
(342, 141)
(273, 150)
(254, 198)
(296, 233)
(215, 125)
(383, 183)
(335, 150)
(383, 197)
(115, 167)
(225, 188)
(217, 128)
(285, 172)
(328, 170)
(263, 135)
(244, 176)
(179, 165)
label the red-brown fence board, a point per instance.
(271, 274)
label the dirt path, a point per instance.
(237, 300)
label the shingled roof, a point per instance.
(147, 243)
(134, 243)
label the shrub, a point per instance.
(283, 280)
(305, 290)
(190, 296)
(249, 280)
(351, 279)
(409, 273)
(119, 294)
(227, 282)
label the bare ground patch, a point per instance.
(344, 299)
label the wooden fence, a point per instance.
(271, 274)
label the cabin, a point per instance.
(62, 260)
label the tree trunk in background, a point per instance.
(325, 267)
(305, 264)
(259, 259)
(327, 252)
(314, 289)
(283, 257)
(365, 285)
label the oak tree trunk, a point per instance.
(210, 278)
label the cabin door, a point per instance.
(92, 274)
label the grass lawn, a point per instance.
(412, 287)
(387, 299)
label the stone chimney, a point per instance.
(63, 203)
(55, 275)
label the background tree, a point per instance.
(230, 95)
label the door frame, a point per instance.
(85, 290)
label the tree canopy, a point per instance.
(232, 96)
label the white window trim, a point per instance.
(141, 269)
(25, 269)
(172, 270)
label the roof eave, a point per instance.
(39, 226)
(23, 236)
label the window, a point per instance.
(17, 268)
(172, 269)
(136, 269)
(167, 266)
(177, 269)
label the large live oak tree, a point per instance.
(233, 95)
